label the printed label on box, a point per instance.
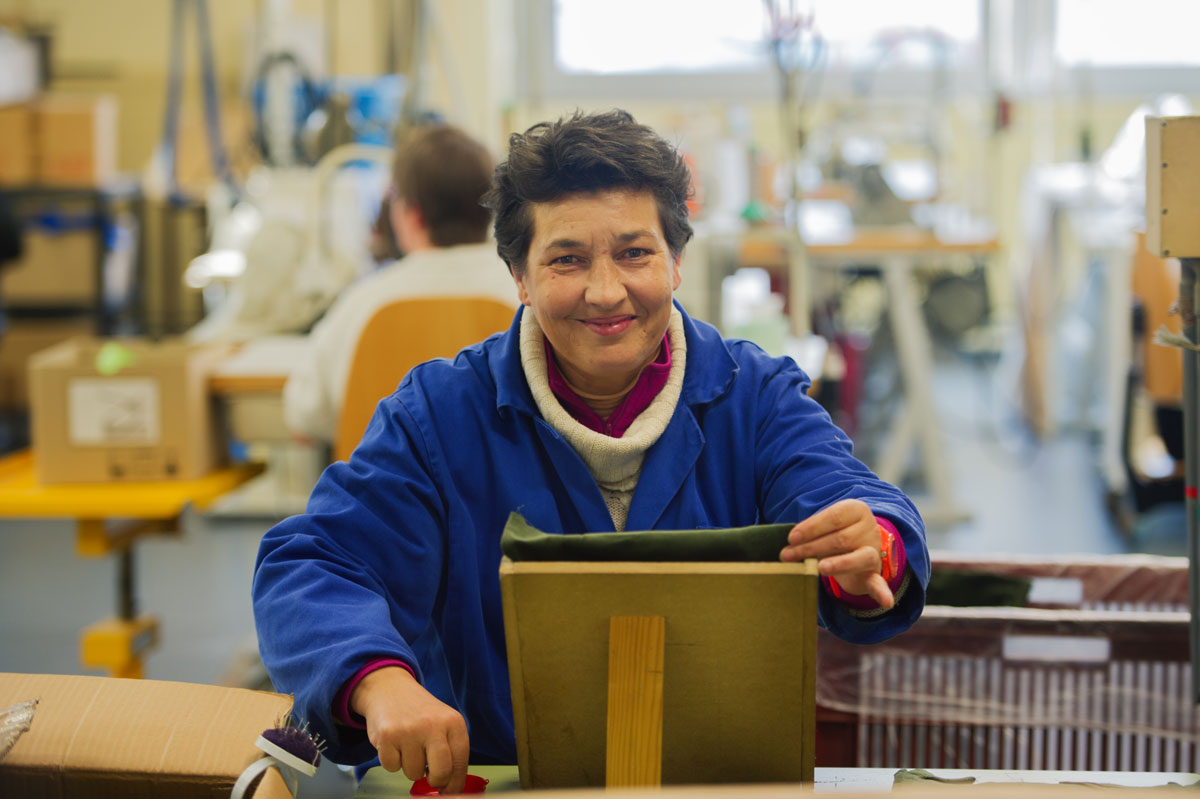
(119, 410)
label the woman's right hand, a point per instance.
(412, 729)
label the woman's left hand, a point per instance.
(845, 536)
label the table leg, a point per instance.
(914, 351)
(126, 596)
(119, 643)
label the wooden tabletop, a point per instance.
(846, 781)
(876, 241)
(869, 242)
(259, 366)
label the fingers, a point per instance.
(412, 730)
(448, 761)
(861, 535)
(863, 559)
(837, 516)
(389, 756)
(877, 589)
(460, 755)
(842, 527)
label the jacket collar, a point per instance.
(710, 366)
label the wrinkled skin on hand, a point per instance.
(845, 537)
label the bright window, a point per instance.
(1118, 33)
(693, 47)
(597, 37)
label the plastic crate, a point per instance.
(1093, 673)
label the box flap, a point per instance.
(136, 731)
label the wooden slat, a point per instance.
(225, 385)
(635, 700)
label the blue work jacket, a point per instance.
(398, 553)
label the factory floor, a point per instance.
(1023, 495)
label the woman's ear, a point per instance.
(522, 292)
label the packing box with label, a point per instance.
(108, 737)
(124, 410)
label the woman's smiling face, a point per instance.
(599, 277)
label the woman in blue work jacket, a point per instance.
(603, 407)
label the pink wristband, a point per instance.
(341, 701)
(864, 602)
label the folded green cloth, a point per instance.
(976, 589)
(757, 543)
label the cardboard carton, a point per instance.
(124, 410)
(21, 339)
(16, 145)
(77, 139)
(107, 737)
(57, 269)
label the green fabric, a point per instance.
(975, 589)
(758, 543)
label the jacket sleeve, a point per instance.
(354, 578)
(805, 463)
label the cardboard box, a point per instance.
(107, 737)
(124, 410)
(20, 340)
(76, 139)
(16, 145)
(57, 268)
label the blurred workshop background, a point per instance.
(935, 206)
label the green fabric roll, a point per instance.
(976, 589)
(755, 544)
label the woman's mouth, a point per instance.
(609, 325)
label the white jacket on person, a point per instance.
(312, 398)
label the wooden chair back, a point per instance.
(401, 335)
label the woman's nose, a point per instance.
(605, 287)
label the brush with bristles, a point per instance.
(291, 741)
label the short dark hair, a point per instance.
(579, 154)
(444, 173)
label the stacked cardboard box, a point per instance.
(76, 140)
(59, 140)
(16, 144)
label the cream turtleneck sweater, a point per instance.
(615, 463)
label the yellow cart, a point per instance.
(110, 518)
